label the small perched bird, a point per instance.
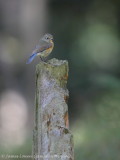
(43, 49)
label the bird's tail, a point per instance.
(31, 58)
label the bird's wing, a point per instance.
(42, 47)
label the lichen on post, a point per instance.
(52, 139)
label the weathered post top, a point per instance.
(52, 139)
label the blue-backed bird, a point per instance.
(43, 49)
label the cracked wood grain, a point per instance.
(52, 139)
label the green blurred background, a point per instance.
(87, 34)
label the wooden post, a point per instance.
(52, 139)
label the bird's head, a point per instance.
(47, 37)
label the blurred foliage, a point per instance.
(24, 150)
(96, 134)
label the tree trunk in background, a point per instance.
(52, 139)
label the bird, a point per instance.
(43, 49)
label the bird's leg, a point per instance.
(43, 59)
